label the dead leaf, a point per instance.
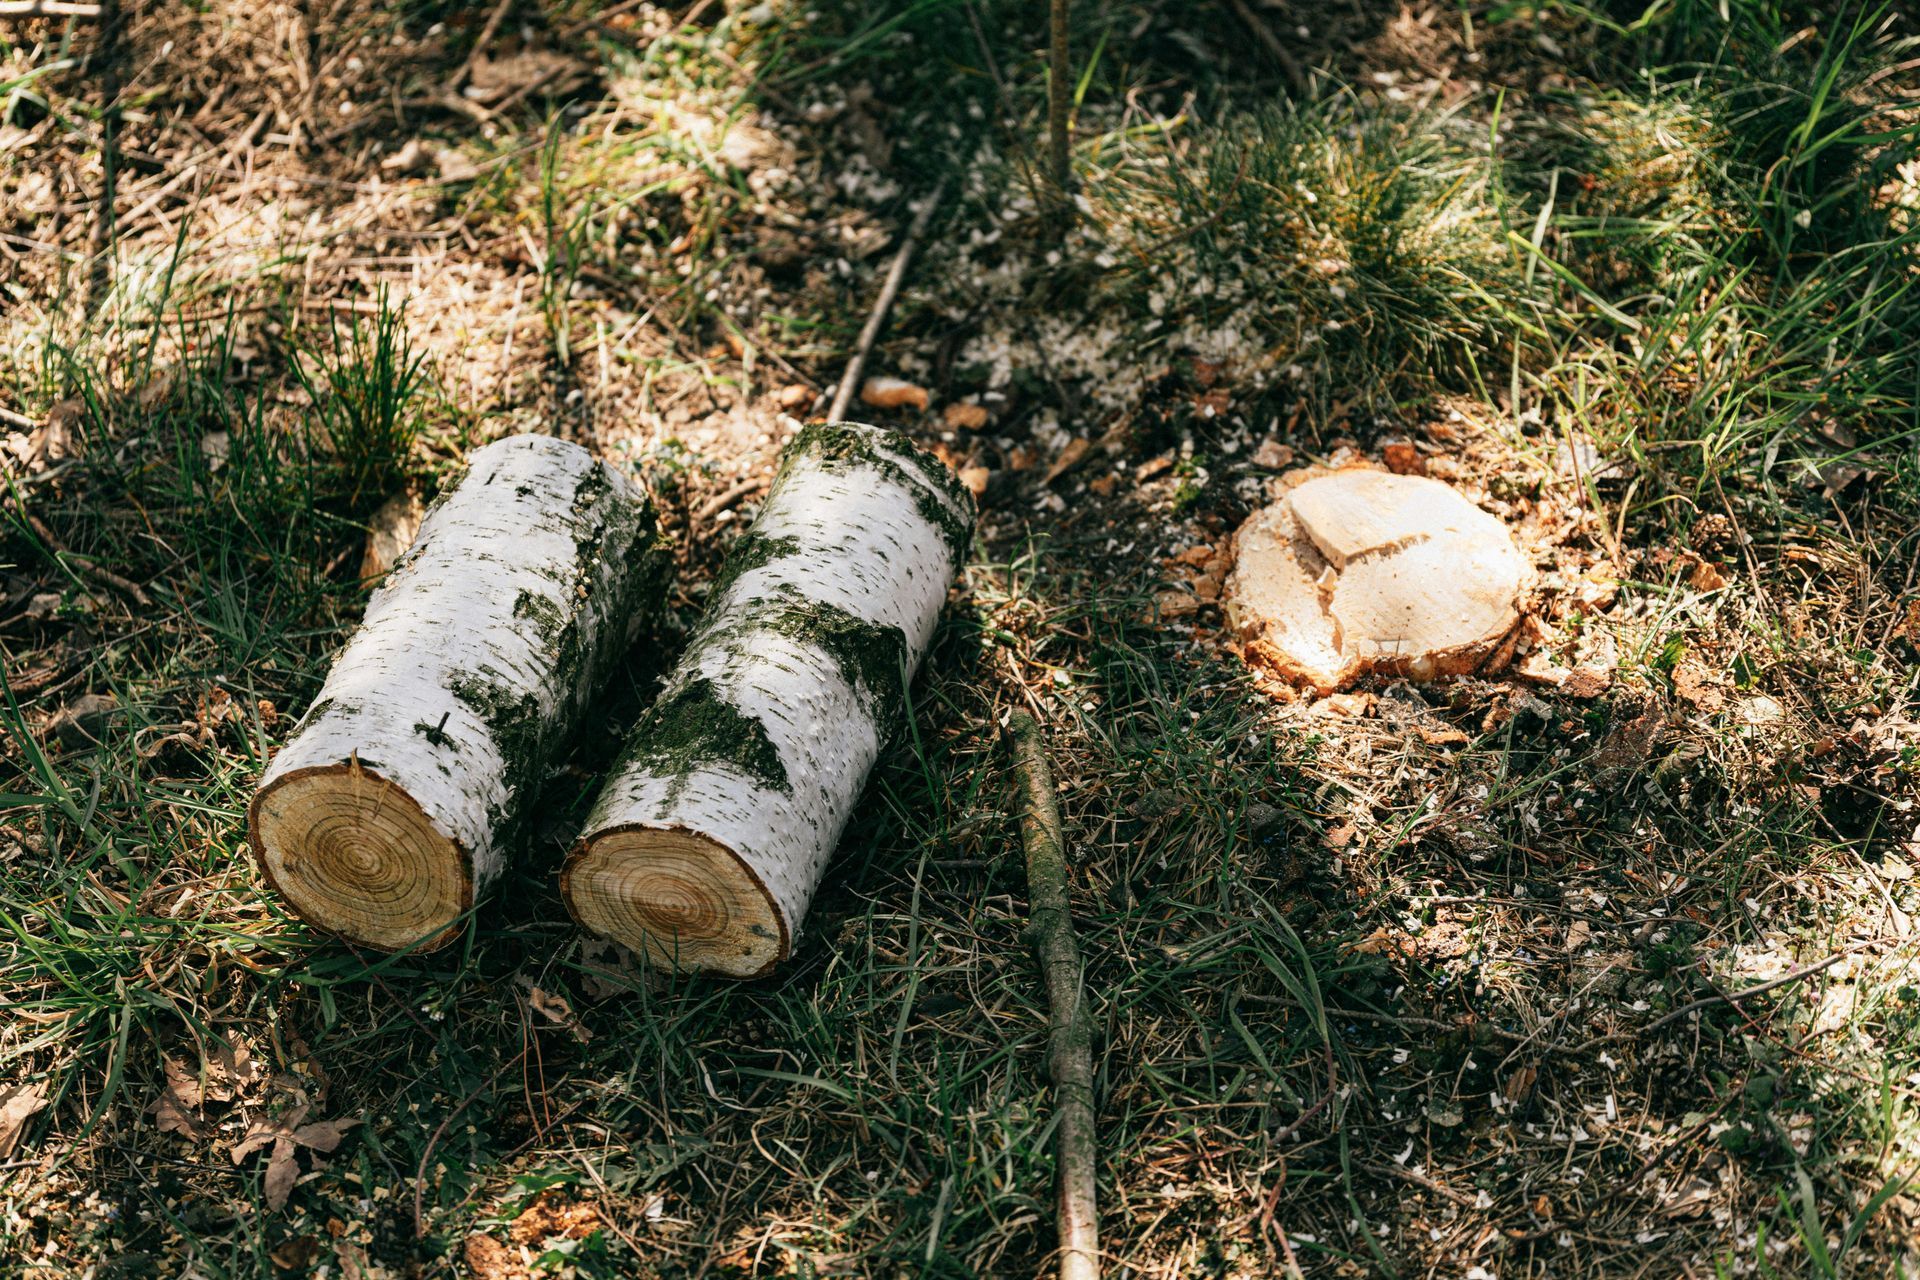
(283, 1170)
(1074, 450)
(488, 1259)
(1213, 404)
(494, 79)
(173, 1111)
(554, 1009)
(893, 393)
(323, 1135)
(17, 1106)
(1153, 468)
(1272, 455)
(1519, 1085)
(1705, 575)
(1176, 604)
(550, 1215)
(1695, 685)
(976, 479)
(963, 416)
(1403, 459)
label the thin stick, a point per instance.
(1272, 43)
(107, 70)
(1059, 127)
(485, 38)
(84, 564)
(1734, 998)
(48, 9)
(889, 290)
(726, 499)
(1070, 1034)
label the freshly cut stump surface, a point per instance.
(1364, 572)
(390, 810)
(705, 848)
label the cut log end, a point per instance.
(1369, 573)
(677, 899)
(355, 855)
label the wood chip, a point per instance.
(964, 417)
(893, 393)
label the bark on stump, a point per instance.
(390, 810)
(706, 846)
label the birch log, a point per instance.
(706, 846)
(389, 811)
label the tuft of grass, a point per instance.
(370, 390)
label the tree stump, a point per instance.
(1366, 572)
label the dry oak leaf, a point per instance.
(17, 1106)
(285, 1136)
(1403, 459)
(488, 1259)
(554, 1009)
(1069, 457)
(549, 1215)
(173, 1110)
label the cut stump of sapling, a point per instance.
(706, 845)
(389, 812)
(1366, 572)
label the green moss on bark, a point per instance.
(843, 446)
(749, 553)
(693, 727)
(872, 656)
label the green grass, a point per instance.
(1680, 250)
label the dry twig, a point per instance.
(889, 290)
(1070, 1036)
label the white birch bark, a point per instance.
(708, 841)
(390, 810)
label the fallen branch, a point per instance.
(1070, 1034)
(1733, 998)
(105, 66)
(889, 290)
(727, 498)
(85, 564)
(1271, 43)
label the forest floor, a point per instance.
(1602, 965)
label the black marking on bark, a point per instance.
(437, 734)
(694, 727)
(313, 715)
(871, 656)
